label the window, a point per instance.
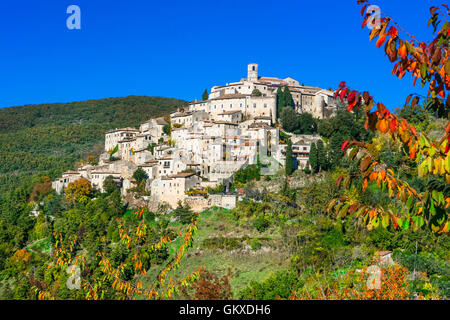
(254, 105)
(265, 105)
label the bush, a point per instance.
(250, 173)
(140, 175)
(183, 213)
(261, 223)
(222, 243)
(424, 262)
(276, 286)
(255, 244)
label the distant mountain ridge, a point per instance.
(127, 110)
(51, 137)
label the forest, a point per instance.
(48, 139)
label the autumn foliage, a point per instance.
(111, 279)
(210, 287)
(354, 286)
(79, 191)
(429, 62)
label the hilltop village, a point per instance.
(203, 145)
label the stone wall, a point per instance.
(197, 203)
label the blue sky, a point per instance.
(179, 48)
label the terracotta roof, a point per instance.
(229, 112)
(105, 172)
(263, 118)
(226, 122)
(201, 101)
(182, 175)
(123, 129)
(231, 96)
(71, 172)
(181, 114)
(161, 121)
(261, 125)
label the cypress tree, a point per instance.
(205, 95)
(313, 162)
(287, 101)
(321, 156)
(288, 165)
(279, 101)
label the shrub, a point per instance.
(261, 223)
(255, 244)
(276, 286)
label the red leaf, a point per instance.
(342, 84)
(343, 93)
(393, 125)
(336, 93)
(364, 23)
(351, 96)
(351, 106)
(393, 32)
(344, 145)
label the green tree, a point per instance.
(287, 98)
(279, 102)
(322, 158)
(205, 95)
(325, 128)
(109, 185)
(289, 119)
(140, 175)
(183, 213)
(256, 93)
(313, 161)
(306, 124)
(288, 165)
(167, 129)
(335, 148)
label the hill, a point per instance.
(50, 138)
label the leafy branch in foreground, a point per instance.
(431, 63)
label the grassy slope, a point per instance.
(246, 265)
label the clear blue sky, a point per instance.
(179, 48)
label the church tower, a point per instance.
(252, 73)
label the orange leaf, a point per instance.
(403, 51)
(381, 40)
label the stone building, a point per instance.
(256, 96)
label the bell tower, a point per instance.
(252, 73)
